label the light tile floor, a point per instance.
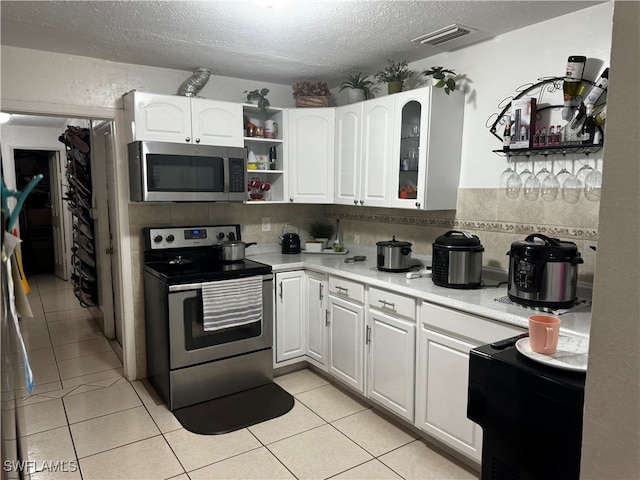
(85, 413)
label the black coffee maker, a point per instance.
(290, 239)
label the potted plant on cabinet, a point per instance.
(258, 97)
(359, 87)
(394, 74)
(444, 78)
(321, 232)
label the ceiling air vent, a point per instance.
(445, 34)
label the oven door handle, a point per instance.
(198, 286)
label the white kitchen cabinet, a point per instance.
(258, 149)
(317, 319)
(346, 333)
(445, 338)
(391, 362)
(364, 145)
(310, 146)
(178, 119)
(427, 136)
(290, 334)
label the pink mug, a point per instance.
(543, 333)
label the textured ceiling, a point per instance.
(302, 39)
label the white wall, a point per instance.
(95, 83)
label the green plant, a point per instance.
(394, 72)
(444, 78)
(321, 230)
(358, 81)
(260, 96)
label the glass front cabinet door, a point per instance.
(427, 148)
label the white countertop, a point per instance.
(479, 302)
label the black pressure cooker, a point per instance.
(457, 260)
(543, 272)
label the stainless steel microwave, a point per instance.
(173, 172)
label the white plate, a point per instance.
(571, 353)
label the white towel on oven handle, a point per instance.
(231, 303)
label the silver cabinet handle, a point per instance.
(387, 304)
(197, 140)
(321, 293)
(280, 289)
(361, 202)
(418, 204)
(342, 289)
(326, 318)
(291, 199)
(355, 202)
(368, 335)
(188, 139)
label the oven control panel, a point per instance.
(163, 238)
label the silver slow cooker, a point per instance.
(543, 272)
(394, 256)
(457, 260)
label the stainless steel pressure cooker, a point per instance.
(543, 272)
(457, 260)
(394, 256)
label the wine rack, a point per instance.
(544, 85)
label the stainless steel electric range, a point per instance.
(206, 334)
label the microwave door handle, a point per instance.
(225, 164)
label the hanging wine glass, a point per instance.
(504, 176)
(593, 186)
(550, 187)
(585, 170)
(571, 189)
(562, 175)
(531, 186)
(514, 185)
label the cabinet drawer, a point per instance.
(478, 329)
(392, 302)
(346, 289)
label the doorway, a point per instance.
(41, 222)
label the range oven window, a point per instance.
(184, 173)
(196, 337)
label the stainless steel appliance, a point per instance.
(394, 256)
(173, 172)
(523, 407)
(543, 272)
(187, 362)
(457, 260)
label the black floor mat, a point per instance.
(236, 411)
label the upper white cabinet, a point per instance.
(364, 145)
(178, 119)
(427, 135)
(311, 154)
(400, 151)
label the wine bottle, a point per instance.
(551, 137)
(273, 158)
(506, 138)
(586, 106)
(601, 116)
(571, 84)
(558, 140)
(536, 137)
(588, 131)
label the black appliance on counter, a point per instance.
(543, 272)
(530, 414)
(290, 240)
(457, 260)
(186, 362)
